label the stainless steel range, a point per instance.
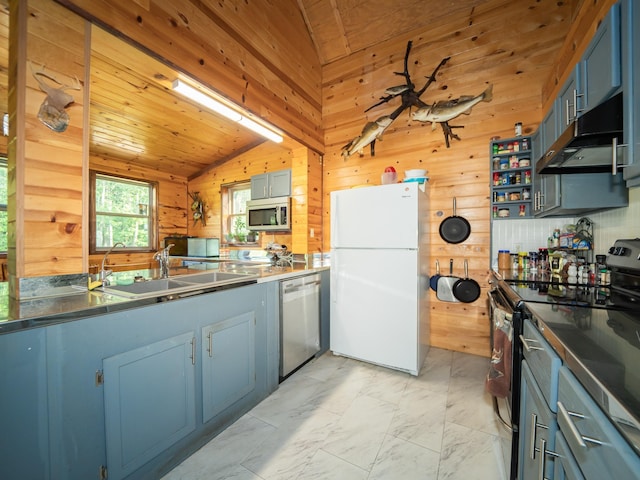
(595, 327)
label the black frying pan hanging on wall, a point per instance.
(466, 289)
(455, 229)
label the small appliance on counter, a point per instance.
(193, 246)
(203, 247)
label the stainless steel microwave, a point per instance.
(269, 214)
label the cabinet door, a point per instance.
(565, 465)
(537, 430)
(260, 186)
(601, 63)
(596, 444)
(149, 398)
(228, 366)
(548, 190)
(549, 127)
(24, 446)
(631, 84)
(280, 184)
(569, 101)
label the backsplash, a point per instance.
(530, 234)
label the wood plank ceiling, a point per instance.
(136, 118)
(341, 27)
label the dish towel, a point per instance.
(498, 381)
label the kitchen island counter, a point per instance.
(76, 304)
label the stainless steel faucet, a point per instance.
(162, 256)
(104, 273)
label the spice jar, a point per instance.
(504, 260)
(501, 196)
(518, 129)
(522, 212)
(503, 212)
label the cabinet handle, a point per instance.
(614, 156)
(210, 347)
(575, 103)
(581, 439)
(526, 345)
(193, 351)
(264, 191)
(550, 153)
(270, 189)
(532, 439)
(567, 118)
(543, 458)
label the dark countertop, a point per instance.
(602, 349)
(74, 304)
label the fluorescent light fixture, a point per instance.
(216, 103)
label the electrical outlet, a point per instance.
(312, 233)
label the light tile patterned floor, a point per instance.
(340, 419)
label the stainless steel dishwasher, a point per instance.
(299, 321)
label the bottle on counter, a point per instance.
(523, 262)
(504, 260)
(514, 261)
(543, 260)
(533, 262)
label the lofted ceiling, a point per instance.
(341, 27)
(136, 117)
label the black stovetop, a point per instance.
(563, 290)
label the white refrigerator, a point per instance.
(379, 275)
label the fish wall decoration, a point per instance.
(440, 112)
(52, 111)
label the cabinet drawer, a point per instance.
(565, 465)
(543, 361)
(597, 446)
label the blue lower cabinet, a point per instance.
(228, 363)
(538, 427)
(24, 438)
(565, 465)
(596, 444)
(149, 399)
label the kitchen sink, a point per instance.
(213, 277)
(177, 285)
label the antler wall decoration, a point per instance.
(52, 112)
(441, 112)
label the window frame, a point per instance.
(227, 205)
(153, 213)
(3, 206)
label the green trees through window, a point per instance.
(123, 211)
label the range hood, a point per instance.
(586, 145)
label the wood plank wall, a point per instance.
(267, 157)
(45, 186)
(508, 44)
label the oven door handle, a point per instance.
(495, 304)
(525, 344)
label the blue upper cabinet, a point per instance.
(549, 130)
(630, 17)
(601, 65)
(569, 99)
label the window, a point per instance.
(122, 210)
(234, 214)
(3, 205)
